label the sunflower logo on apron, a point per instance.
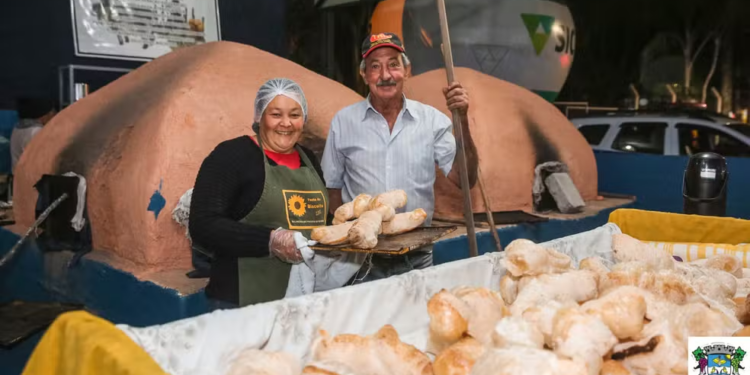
(297, 205)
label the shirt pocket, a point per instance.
(363, 153)
(418, 158)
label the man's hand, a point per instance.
(334, 200)
(456, 97)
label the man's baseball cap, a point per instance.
(376, 41)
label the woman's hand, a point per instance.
(283, 246)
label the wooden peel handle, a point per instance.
(458, 129)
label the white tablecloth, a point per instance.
(206, 344)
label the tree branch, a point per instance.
(703, 44)
(714, 62)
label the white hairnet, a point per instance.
(275, 87)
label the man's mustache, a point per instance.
(386, 83)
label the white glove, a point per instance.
(283, 246)
(302, 276)
(303, 245)
(329, 269)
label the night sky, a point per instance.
(612, 35)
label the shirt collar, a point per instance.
(407, 108)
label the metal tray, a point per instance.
(20, 320)
(397, 244)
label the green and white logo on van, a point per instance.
(539, 27)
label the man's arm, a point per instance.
(457, 98)
(334, 200)
(333, 167)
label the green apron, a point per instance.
(291, 199)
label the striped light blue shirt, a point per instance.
(362, 156)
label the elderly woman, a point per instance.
(256, 199)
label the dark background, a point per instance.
(37, 38)
(611, 36)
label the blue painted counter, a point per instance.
(657, 181)
(120, 298)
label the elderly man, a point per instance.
(389, 142)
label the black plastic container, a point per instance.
(704, 186)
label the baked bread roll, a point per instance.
(577, 335)
(328, 368)
(351, 210)
(726, 263)
(332, 235)
(741, 311)
(509, 288)
(386, 212)
(628, 249)
(344, 213)
(594, 264)
(611, 367)
(744, 332)
(393, 198)
(577, 286)
(448, 320)
(526, 361)
(459, 358)
(364, 233)
(525, 258)
(361, 203)
(486, 309)
(623, 310)
(380, 354)
(405, 222)
(260, 362)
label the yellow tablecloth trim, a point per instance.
(689, 252)
(78, 343)
(654, 226)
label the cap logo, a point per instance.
(378, 37)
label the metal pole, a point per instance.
(460, 154)
(71, 88)
(60, 84)
(100, 68)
